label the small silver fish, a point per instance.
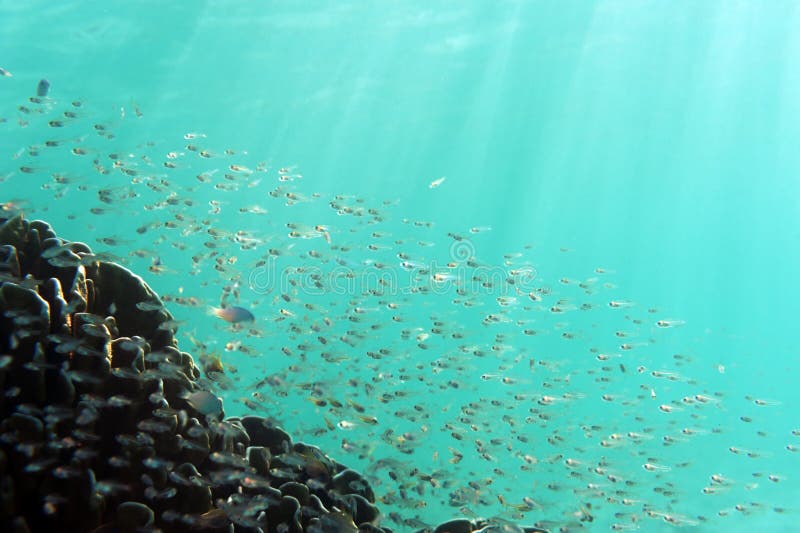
(149, 306)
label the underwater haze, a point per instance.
(519, 259)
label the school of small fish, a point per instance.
(460, 385)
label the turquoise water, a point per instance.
(643, 150)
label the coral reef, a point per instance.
(104, 424)
(106, 428)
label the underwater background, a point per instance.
(609, 261)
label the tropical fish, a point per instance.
(43, 88)
(233, 314)
(437, 182)
(205, 402)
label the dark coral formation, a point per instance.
(462, 525)
(100, 422)
(105, 427)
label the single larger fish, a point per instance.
(43, 88)
(205, 402)
(233, 314)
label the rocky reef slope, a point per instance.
(105, 426)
